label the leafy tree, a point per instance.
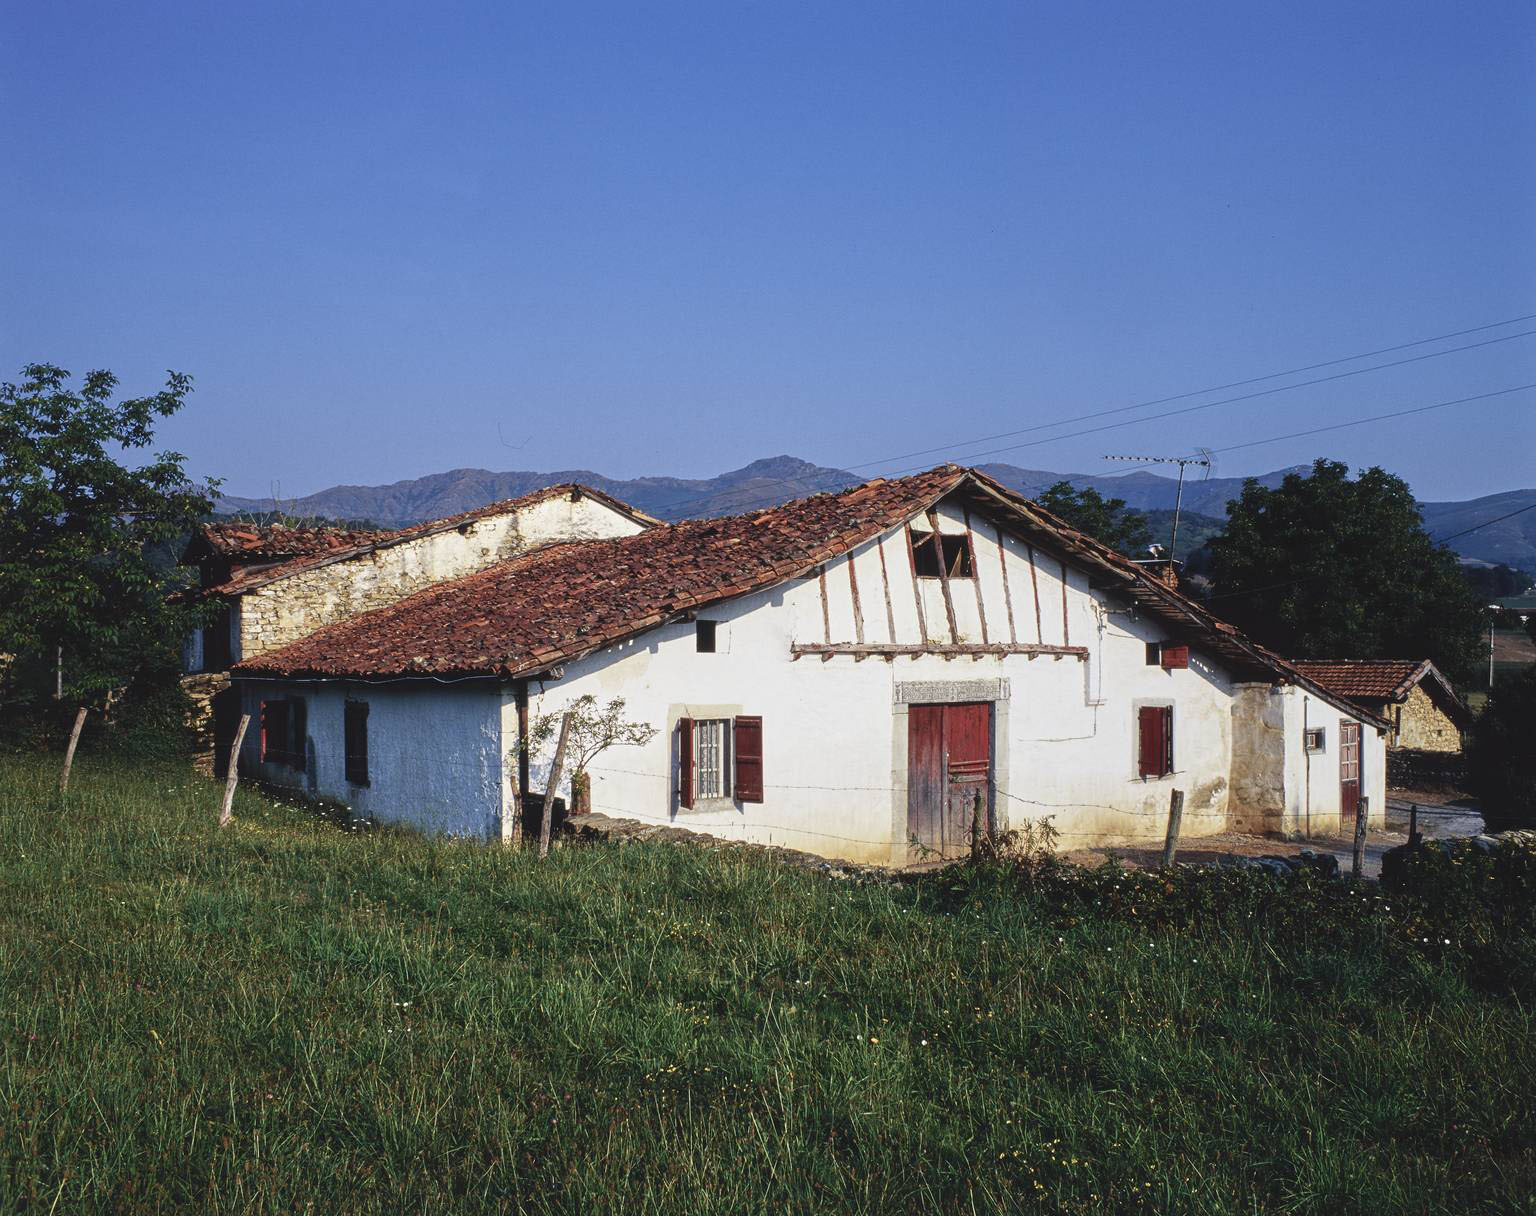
(1501, 763)
(1325, 567)
(593, 731)
(1105, 519)
(76, 527)
(1496, 582)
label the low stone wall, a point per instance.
(1408, 768)
(203, 691)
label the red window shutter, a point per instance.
(749, 759)
(274, 732)
(685, 762)
(1166, 727)
(1175, 656)
(1150, 745)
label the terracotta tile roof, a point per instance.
(1375, 682)
(1364, 679)
(565, 601)
(243, 542)
(241, 581)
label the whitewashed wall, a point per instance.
(1313, 790)
(434, 751)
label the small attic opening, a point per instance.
(951, 555)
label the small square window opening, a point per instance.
(704, 636)
(1316, 739)
(935, 555)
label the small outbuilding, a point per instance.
(1423, 710)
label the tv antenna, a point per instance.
(1203, 458)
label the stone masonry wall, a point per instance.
(1421, 725)
(297, 605)
(1256, 802)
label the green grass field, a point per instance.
(288, 1017)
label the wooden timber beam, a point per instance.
(964, 649)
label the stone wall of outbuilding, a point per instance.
(1421, 725)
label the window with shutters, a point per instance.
(719, 759)
(1154, 742)
(284, 732)
(356, 742)
(935, 554)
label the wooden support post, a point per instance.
(553, 784)
(1413, 824)
(976, 826)
(512, 818)
(1362, 815)
(69, 752)
(1175, 818)
(227, 812)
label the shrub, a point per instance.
(1501, 760)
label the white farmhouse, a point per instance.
(847, 674)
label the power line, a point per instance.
(1486, 523)
(1284, 388)
(1215, 388)
(1339, 426)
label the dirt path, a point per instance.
(1439, 818)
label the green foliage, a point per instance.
(1105, 519)
(593, 731)
(1501, 756)
(1496, 582)
(1327, 567)
(284, 1017)
(77, 527)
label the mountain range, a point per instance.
(780, 478)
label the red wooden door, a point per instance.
(949, 763)
(1349, 771)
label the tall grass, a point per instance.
(288, 1017)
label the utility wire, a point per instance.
(1498, 519)
(742, 504)
(1215, 388)
(1284, 388)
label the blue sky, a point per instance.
(394, 239)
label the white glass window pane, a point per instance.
(711, 747)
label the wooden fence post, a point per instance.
(976, 826)
(69, 752)
(1413, 823)
(1175, 817)
(512, 822)
(1362, 814)
(226, 812)
(553, 784)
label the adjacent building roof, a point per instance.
(245, 543)
(1375, 683)
(562, 602)
(248, 578)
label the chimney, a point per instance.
(1162, 569)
